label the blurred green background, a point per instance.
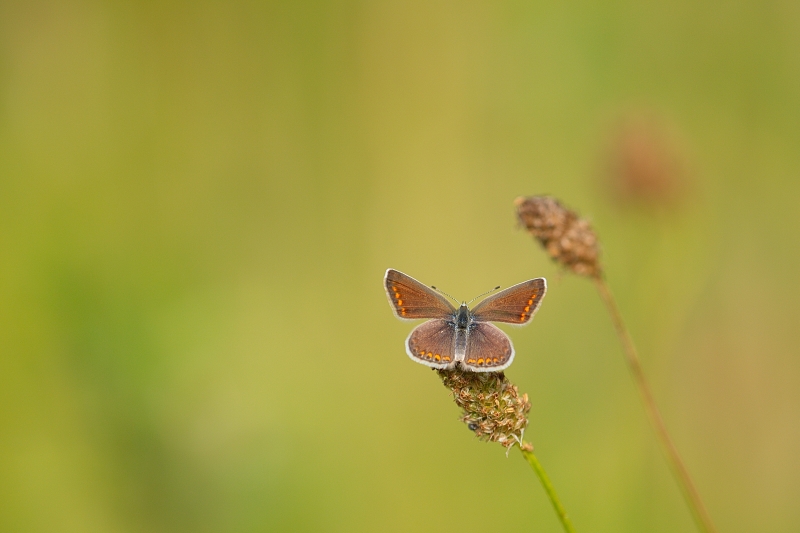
(198, 201)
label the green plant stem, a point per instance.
(548, 488)
(699, 512)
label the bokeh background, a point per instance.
(198, 201)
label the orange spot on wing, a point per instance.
(437, 357)
(480, 361)
(397, 295)
(530, 302)
(527, 308)
(446, 358)
(403, 312)
(399, 302)
(495, 360)
(471, 361)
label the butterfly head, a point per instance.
(462, 316)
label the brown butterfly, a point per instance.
(461, 335)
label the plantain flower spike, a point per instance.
(491, 405)
(567, 238)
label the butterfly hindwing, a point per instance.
(432, 343)
(488, 349)
(411, 299)
(515, 305)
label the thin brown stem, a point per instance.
(673, 458)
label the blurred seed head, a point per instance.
(642, 162)
(492, 406)
(566, 237)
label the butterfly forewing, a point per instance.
(411, 299)
(488, 349)
(515, 305)
(432, 343)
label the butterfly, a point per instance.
(462, 335)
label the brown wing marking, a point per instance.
(515, 305)
(432, 343)
(488, 349)
(411, 299)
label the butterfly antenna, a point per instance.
(484, 294)
(442, 292)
